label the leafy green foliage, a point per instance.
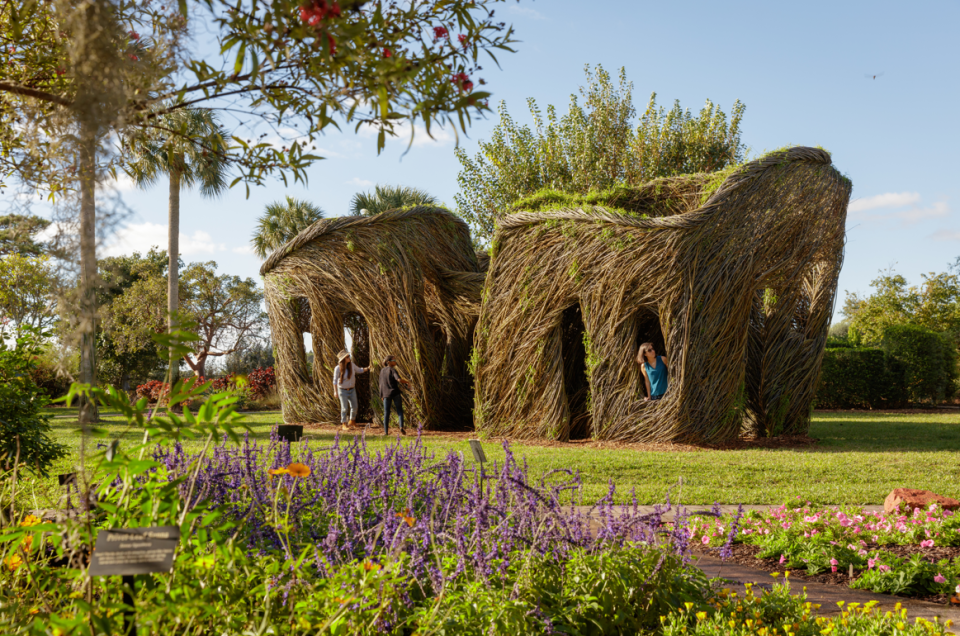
(28, 286)
(226, 310)
(18, 234)
(860, 378)
(24, 431)
(133, 299)
(935, 304)
(929, 360)
(385, 198)
(781, 611)
(189, 145)
(298, 66)
(281, 221)
(592, 147)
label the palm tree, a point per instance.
(281, 222)
(385, 198)
(187, 145)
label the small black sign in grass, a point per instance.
(127, 551)
(66, 479)
(290, 432)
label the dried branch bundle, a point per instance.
(737, 290)
(733, 275)
(414, 278)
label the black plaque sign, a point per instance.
(477, 449)
(134, 550)
(290, 432)
(66, 479)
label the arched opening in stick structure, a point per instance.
(649, 330)
(575, 382)
(359, 330)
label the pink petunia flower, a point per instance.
(705, 540)
(939, 578)
(783, 559)
(926, 544)
(883, 568)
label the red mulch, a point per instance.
(745, 554)
(798, 441)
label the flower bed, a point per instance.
(913, 554)
(296, 539)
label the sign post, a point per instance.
(132, 551)
(478, 455)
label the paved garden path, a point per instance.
(826, 595)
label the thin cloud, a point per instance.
(913, 215)
(441, 136)
(357, 181)
(526, 12)
(876, 208)
(243, 249)
(140, 237)
(945, 235)
(887, 200)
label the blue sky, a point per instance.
(800, 68)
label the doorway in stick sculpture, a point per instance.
(732, 275)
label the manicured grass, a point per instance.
(860, 458)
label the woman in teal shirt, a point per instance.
(654, 370)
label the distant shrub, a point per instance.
(154, 390)
(860, 378)
(260, 382)
(929, 359)
(24, 432)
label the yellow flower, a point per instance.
(368, 566)
(13, 562)
(34, 611)
(299, 470)
(27, 544)
(688, 605)
(277, 471)
(30, 520)
(701, 616)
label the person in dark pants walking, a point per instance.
(390, 382)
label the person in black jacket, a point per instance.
(390, 382)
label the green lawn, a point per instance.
(859, 459)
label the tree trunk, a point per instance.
(88, 268)
(173, 268)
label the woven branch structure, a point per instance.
(731, 275)
(414, 278)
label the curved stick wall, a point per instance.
(732, 275)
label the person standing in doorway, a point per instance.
(654, 370)
(390, 382)
(345, 384)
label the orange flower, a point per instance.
(30, 520)
(368, 566)
(13, 562)
(277, 471)
(406, 517)
(299, 470)
(27, 543)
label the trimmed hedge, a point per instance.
(929, 359)
(862, 378)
